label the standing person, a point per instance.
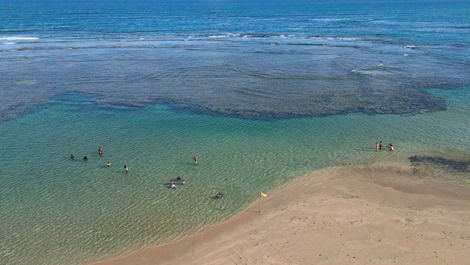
(100, 150)
(72, 157)
(390, 146)
(108, 164)
(195, 160)
(376, 147)
(126, 168)
(380, 145)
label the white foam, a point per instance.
(9, 43)
(329, 19)
(335, 38)
(348, 39)
(227, 35)
(18, 38)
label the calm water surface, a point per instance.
(155, 83)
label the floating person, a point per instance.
(72, 157)
(180, 180)
(195, 160)
(172, 184)
(100, 150)
(108, 164)
(126, 168)
(85, 158)
(380, 145)
(219, 195)
(376, 147)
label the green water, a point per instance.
(58, 211)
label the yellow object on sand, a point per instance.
(262, 194)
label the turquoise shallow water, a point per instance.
(58, 211)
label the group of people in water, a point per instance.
(100, 152)
(180, 181)
(379, 147)
(171, 184)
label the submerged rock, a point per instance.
(248, 79)
(449, 164)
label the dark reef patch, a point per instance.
(318, 78)
(462, 166)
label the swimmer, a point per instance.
(126, 168)
(180, 180)
(108, 164)
(219, 195)
(85, 158)
(195, 160)
(172, 184)
(72, 157)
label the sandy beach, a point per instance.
(342, 215)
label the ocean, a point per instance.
(260, 91)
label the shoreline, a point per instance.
(378, 214)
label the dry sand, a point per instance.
(342, 215)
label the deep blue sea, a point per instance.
(261, 91)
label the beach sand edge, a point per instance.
(376, 214)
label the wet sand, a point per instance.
(341, 215)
